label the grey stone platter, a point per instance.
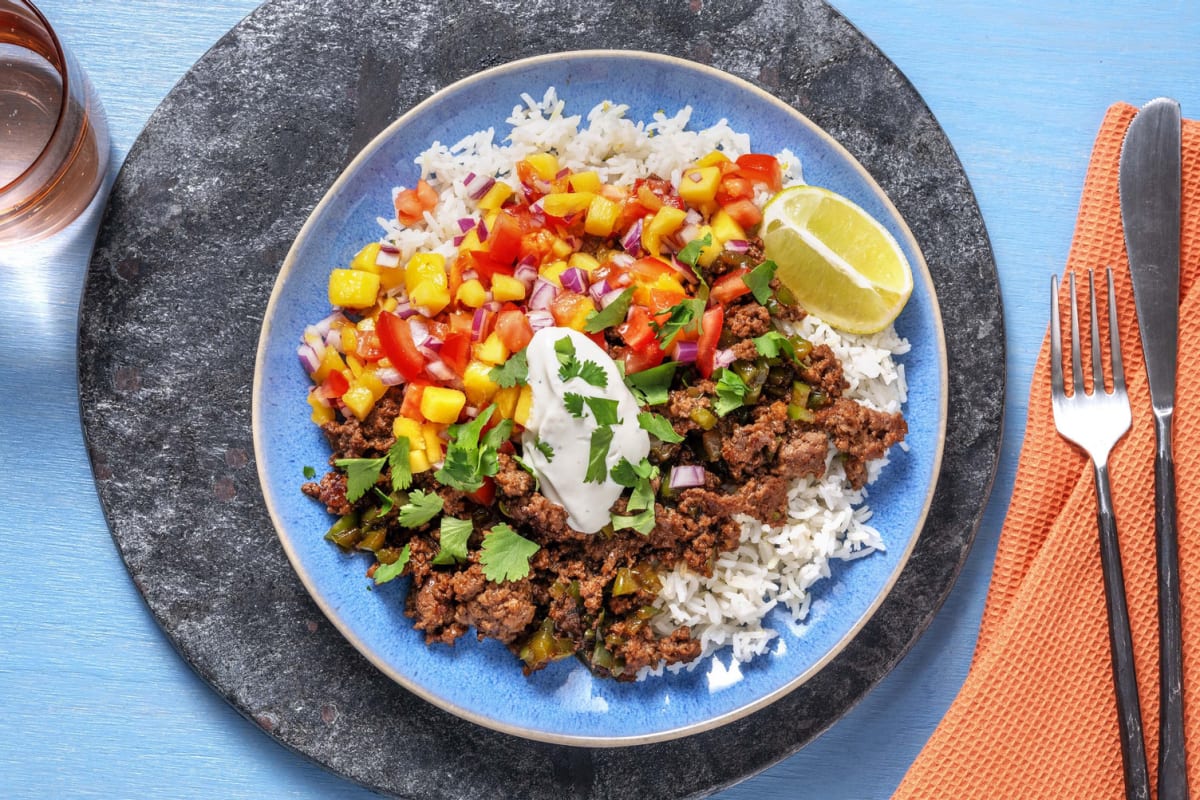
(201, 217)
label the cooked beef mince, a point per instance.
(592, 595)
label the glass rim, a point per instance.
(64, 71)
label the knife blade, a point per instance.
(1150, 187)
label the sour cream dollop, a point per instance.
(569, 438)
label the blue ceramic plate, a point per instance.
(482, 682)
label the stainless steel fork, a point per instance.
(1096, 422)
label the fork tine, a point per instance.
(1056, 370)
(1114, 337)
(1076, 359)
(1097, 355)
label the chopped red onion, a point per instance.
(692, 217)
(685, 352)
(598, 289)
(439, 370)
(470, 275)
(687, 476)
(543, 294)
(481, 324)
(389, 376)
(539, 319)
(482, 230)
(404, 309)
(610, 297)
(308, 358)
(419, 331)
(723, 358)
(631, 242)
(737, 246)
(324, 325)
(574, 279)
(562, 173)
(457, 240)
(621, 259)
(315, 391)
(430, 349)
(333, 338)
(493, 305)
(388, 257)
(466, 223)
(526, 274)
(477, 185)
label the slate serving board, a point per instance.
(198, 223)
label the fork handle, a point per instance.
(1129, 713)
(1172, 763)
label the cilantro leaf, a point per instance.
(680, 317)
(597, 468)
(731, 391)
(511, 373)
(642, 497)
(759, 281)
(627, 474)
(642, 522)
(594, 374)
(454, 535)
(612, 314)
(651, 387)
(545, 449)
(421, 507)
(564, 349)
(386, 572)
(468, 460)
(398, 462)
(574, 404)
(505, 554)
(603, 409)
(571, 367)
(361, 474)
(690, 253)
(772, 343)
(310, 473)
(385, 501)
(658, 425)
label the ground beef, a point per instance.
(747, 320)
(682, 403)
(749, 449)
(331, 492)
(370, 437)
(727, 260)
(823, 372)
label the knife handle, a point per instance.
(1172, 756)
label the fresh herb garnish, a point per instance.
(571, 367)
(421, 507)
(469, 457)
(545, 449)
(759, 281)
(603, 409)
(505, 554)
(690, 253)
(310, 473)
(612, 314)
(511, 373)
(385, 501)
(651, 387)
(772, 343)
(362, 473)
(658, 425)
(386, 572)
(642, 522)
(637, 477)
(454, 535)
(681, 316)
(597, 469)
(573, 402)
(731, 391)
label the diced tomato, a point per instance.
(514, 329)
(335, 384)
(486, 265)
(485, 495)
(411, 406)
(662, 300)
(460, 322)
(729, 286)
(744, 213)
(565, 307)
(398, 346)
(733, 188)
(636, 362)
(411, 204)
(661, 188)
(368, 348)
(456, 351)
(761, 168)
(648, 270)
(636, 330)
(710, 334)
(504, 238)
(537, 243)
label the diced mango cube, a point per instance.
(471, 294)
(369, 379)
(331, 361)
(602, 216)
(585, 262)
(431, 434)
(553, 271)
(491, 350)
(544, 164)
(321, 413)
(365, 258)
(409, 428)
(353, 288)
(698, 185)
(506, 287)
(506, 401)
(524, 404)
(588, 181)
(430, 296)
(564, 204)
(440, 404)
(666, 221)
(725, 229)
(709, 253)
(495, 196)
(418, 461)
(355, 365)
(425, 268)
(578, 317)
(391, 277)
(349, 339)
(561, 248)
(470, 241)
(714, 158)
(478, 383)
(359, 399)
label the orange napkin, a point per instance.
(1036, 717)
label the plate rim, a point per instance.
(921, 272)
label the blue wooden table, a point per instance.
(94, 702)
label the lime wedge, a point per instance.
(838, 261)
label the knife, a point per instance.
(1150, 210)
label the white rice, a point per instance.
(827, 520)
